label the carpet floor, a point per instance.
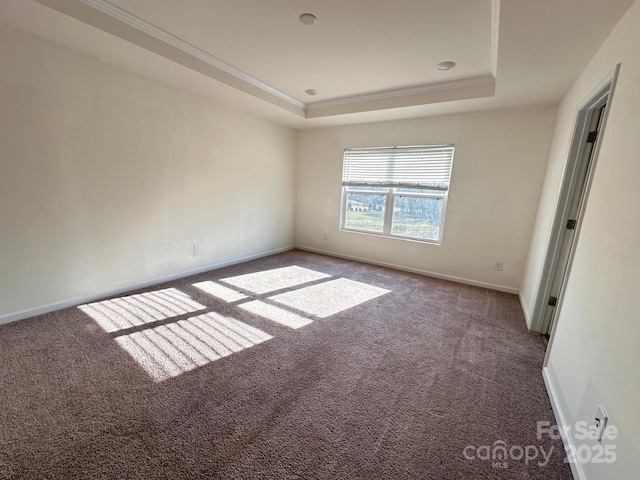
(292, 366)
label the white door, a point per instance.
(576, 203)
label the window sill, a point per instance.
(394, 237)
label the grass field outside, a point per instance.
(404, 223)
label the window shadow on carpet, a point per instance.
(157, 328)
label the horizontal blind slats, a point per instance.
(414, 166)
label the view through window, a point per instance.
(396, 191)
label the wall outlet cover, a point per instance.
(601, 422)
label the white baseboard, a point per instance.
(567, 439)
(427, 273)
(525, 309)
(72, 302)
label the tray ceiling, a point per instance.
(370, 60)
(360, 55)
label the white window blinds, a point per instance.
(423, 166)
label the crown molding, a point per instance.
(404, 92)
(114, 20)
(442, 93)
(166, 37)
(495, 30)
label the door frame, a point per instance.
(571, 187)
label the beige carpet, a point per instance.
(293, 366)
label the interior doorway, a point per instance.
(583, 153)
(576, 203)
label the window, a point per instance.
(396, 191)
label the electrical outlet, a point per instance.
(196, 249)
(325, 237)
(498, 267)
(600, 422)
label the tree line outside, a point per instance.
(417, 217)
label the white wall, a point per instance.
(497, 174)
(595, 349)
(106, 178)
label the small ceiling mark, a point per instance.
(448, 65)
(311, 91)
(308, 18)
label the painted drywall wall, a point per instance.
(498, 170)
(594, 353)
(107, 179)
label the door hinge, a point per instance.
(553, 301)
(591, 138)
(571, 224)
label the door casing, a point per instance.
(574, 184)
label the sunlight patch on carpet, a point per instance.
(329, 298)
(126, 312)
(225, 294)
(276, 314)
(170, 350)
(276, 279)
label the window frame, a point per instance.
(389, 205)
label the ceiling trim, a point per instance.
(426, 97)
(402, 92)
(156, 32)
(495, 31)
(114, 20)
(152, 39)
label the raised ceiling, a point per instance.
(356, 46)
(369, 59)
(361, 55)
